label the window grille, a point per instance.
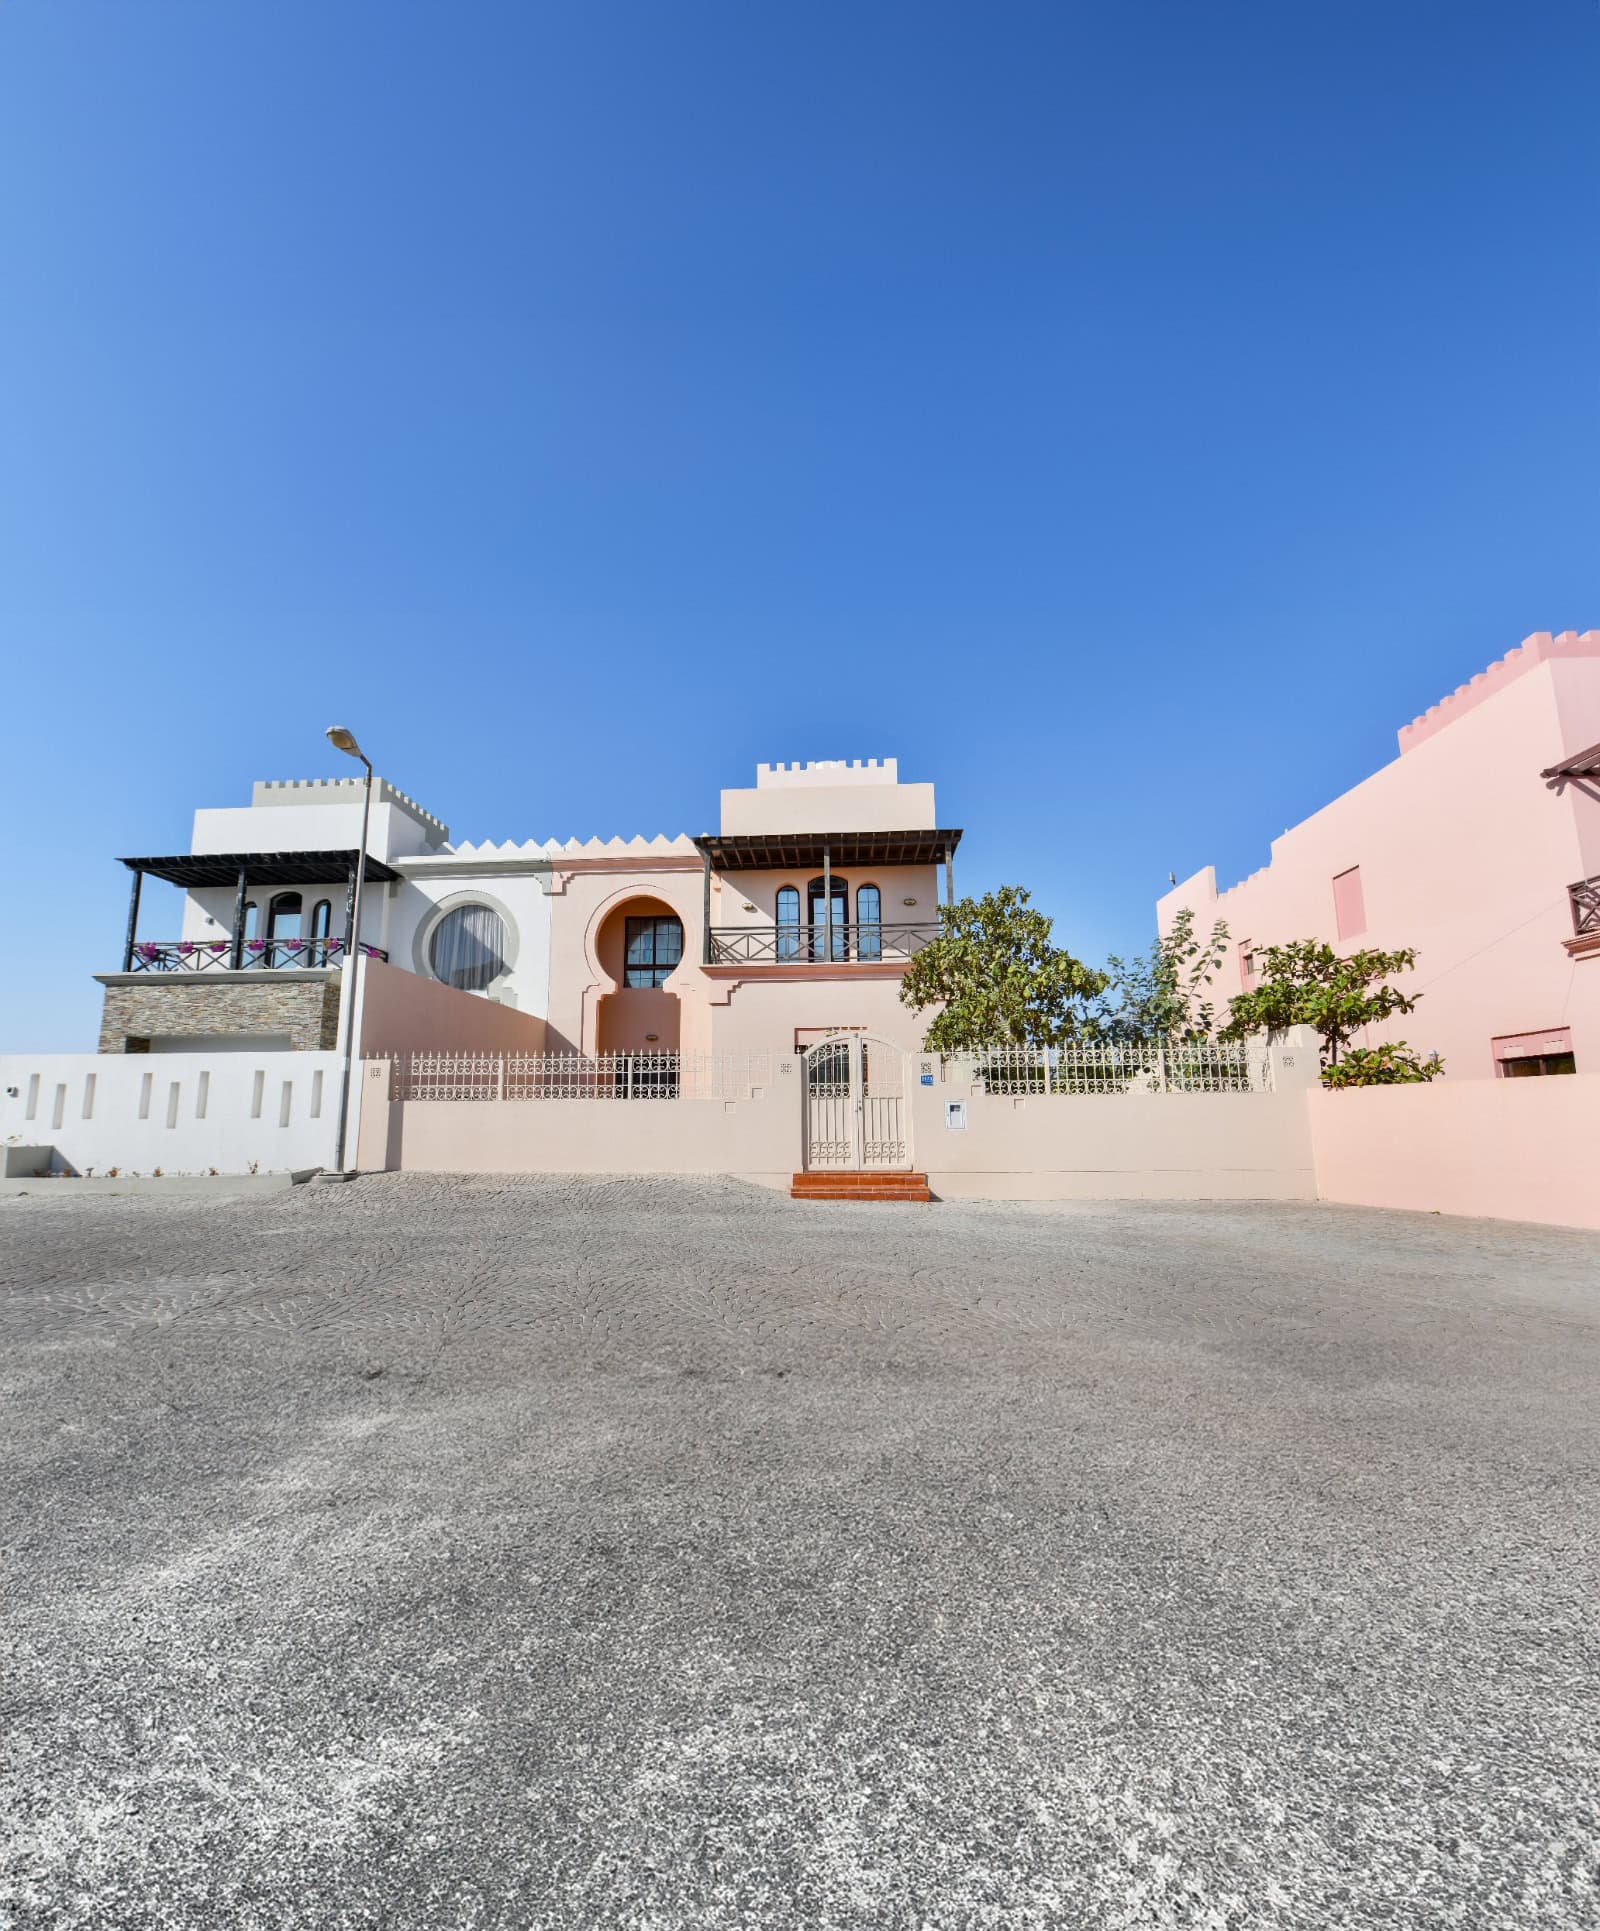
(654, 950)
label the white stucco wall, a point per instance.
(391, 832)
(182, 1112)
(403, 924)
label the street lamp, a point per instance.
(344, 739)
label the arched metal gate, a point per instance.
(857, 1114)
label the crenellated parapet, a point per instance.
(827, 772)
(341, 791)
(1539, 648)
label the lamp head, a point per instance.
(344, 739)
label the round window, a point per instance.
(468, 948)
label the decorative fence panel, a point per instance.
(1114, 1066)
(572, 1076)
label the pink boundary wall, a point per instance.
(1509, 1149)
(401, 1012)
(1524, 1149)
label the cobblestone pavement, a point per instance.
(574, 1553)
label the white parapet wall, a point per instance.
(186, 1113)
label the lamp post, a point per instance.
(343, 739)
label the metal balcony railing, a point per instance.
(259, 955)
(857, 944)
(1585, 897)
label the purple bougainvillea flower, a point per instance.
(255, 945)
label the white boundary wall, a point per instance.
(182, 1112)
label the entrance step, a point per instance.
(859, 1186)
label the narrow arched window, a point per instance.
(283, 919)
(788, 922)
(869, 922)
(321, 919)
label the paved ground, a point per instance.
(471, 1553)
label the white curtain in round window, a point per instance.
(468, 949)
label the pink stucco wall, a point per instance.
(830, 797)
(756, 1139)
(1513, 1149)
(401, 1012)
(1464, 853)
(764, 1008)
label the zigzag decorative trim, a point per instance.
(572, 847)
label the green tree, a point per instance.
(1161, 994)
(998, 978)
(1306, 983)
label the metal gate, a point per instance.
(856, 1105)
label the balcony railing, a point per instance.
(258, 955)
(859, 944)
(1585, 897)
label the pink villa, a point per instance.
(1480, 846)
(793, 922)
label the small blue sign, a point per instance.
(927, 1079)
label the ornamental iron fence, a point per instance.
(255, 955)
(1116, 1066)
(574, 1076)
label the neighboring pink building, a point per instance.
(1480, 846)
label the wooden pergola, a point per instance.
(264, 870)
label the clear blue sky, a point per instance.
(1125, 414)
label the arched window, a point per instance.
(788, 922)
(251, 918)
(654, 950)
(829, 907)
(869, 922)
(321, 919)
(468, 948)
(283, 917)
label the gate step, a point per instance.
(859, 1186)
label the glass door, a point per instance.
(829, 919)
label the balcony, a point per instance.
(1585, 901)
(258, 955)
(816, 945)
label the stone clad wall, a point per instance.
(302, 1005)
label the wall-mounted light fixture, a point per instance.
(908, 901)
(651, 1038)
(748, 907)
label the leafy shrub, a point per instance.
(1394, 1064)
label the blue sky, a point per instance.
(1127, 415)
